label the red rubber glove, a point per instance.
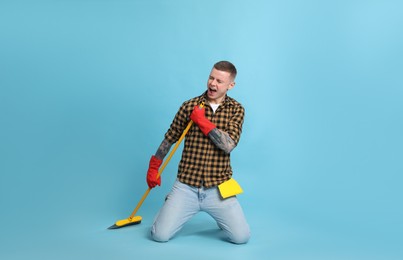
(200, 119)
(152, 172)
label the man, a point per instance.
(205, 161)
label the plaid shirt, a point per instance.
(202, 163)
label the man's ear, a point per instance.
(231, 85)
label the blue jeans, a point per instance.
(185, 201)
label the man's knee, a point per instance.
(240, 239)
(159, 236)
(239, 236)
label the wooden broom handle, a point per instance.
(165, 164)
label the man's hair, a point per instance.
(226, 66)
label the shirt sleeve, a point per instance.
(234, 128)
(178, 124)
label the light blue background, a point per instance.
(88, 89)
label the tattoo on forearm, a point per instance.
(222, 140)
(163, 149)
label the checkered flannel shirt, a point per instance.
(202, 163)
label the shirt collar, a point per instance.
(227, 99)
